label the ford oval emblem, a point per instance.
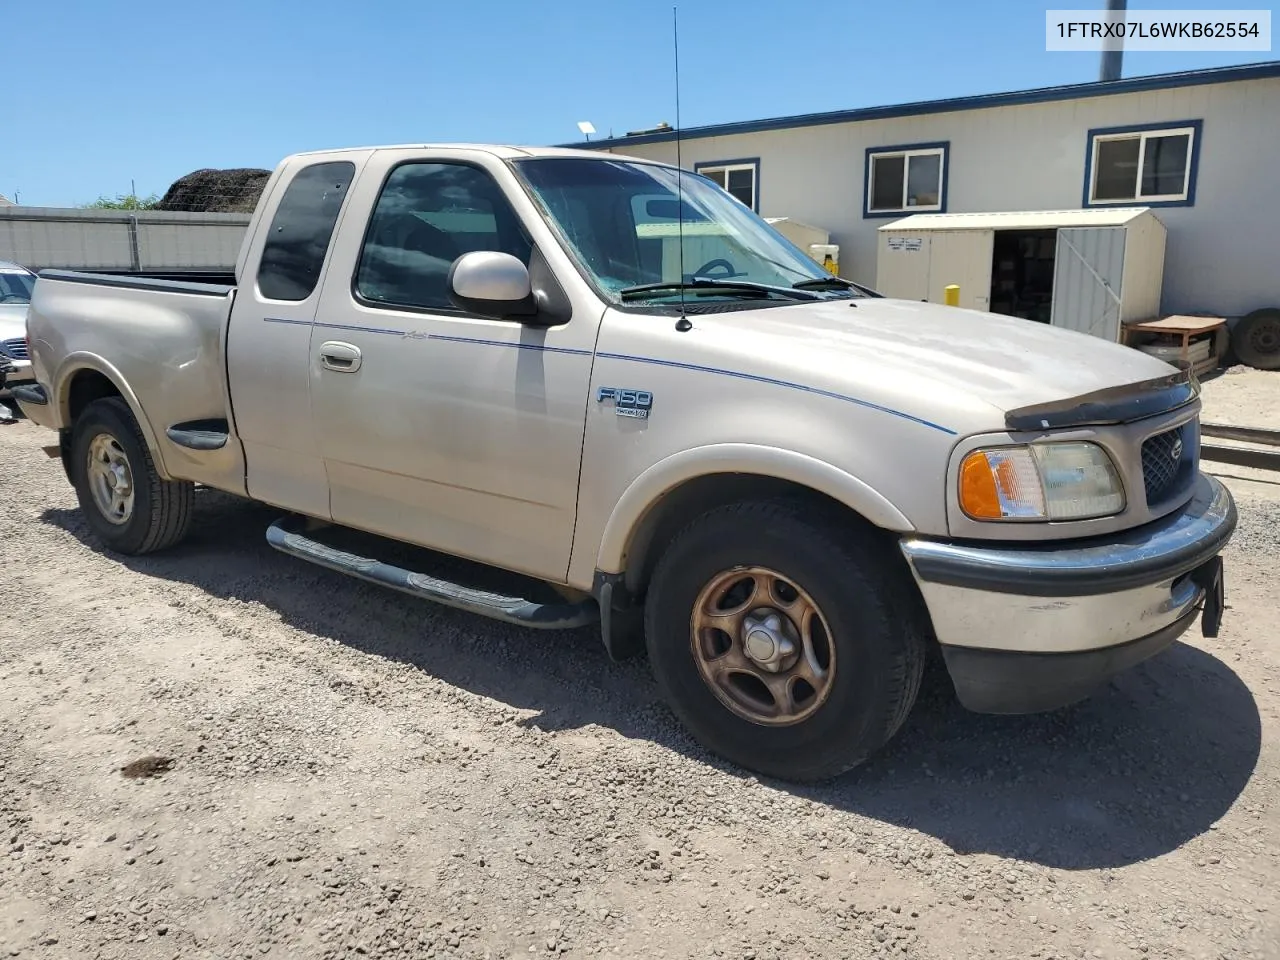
(1175, 452)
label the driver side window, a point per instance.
(427, 216)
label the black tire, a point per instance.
(161, 509)
(875, 627)
(1256, 339)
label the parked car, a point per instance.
(610, 382)
(16, 283)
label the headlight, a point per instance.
(1042, 481)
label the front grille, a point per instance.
(1165, 458)
(16, 348)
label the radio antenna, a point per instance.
(683, 323)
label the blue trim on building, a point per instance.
(869, 214)
(1193, 171)
(740, 162)
(1075, 91)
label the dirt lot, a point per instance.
(355, 773)
(1243, 397)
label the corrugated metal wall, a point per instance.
(1087, 280)
(1144, 256)
(112, 240)
(189, 246)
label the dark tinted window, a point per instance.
(1164, 166)
(301, 230)
(1117, 170)
(886, 182)
(427, 216)
(742, 184)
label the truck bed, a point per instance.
(158, 343)
(204, 287)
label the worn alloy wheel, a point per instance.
(110, 478)
(762, 645)
(785, 637)
(126, 503)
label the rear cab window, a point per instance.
(296, 245)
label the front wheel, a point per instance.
(783, 642)
(126, 503)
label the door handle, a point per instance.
(339, 357)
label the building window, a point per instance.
(739, 177)
(1151, 165)
(909, 179)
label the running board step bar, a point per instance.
(288, 536)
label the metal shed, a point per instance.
(1086, 270)
(803, 235)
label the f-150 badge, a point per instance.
(627, 403)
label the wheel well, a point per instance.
(681, 505)
(86, 387)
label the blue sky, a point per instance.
(102, 92)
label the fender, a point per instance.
(648, 488)
(83, 360)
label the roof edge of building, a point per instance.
(1074, 91)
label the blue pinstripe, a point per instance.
(631, 358)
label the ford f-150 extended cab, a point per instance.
(610, 383)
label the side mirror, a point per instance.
(491, 284)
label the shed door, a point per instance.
(1087, 273)
(962, 257)
(902, 266)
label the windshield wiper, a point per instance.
(759, 290)
(832, 282)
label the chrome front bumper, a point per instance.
(1027, 627)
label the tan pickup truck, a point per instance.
(622, 397)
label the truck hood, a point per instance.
(962, 368)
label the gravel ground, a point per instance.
(347, 772)
(1243, 397)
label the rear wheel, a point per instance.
(124, 500)
(782, 642)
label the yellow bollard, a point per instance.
(952, 295)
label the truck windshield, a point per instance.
(15, 287)
(622, 221)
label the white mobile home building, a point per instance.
(1198, 149)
